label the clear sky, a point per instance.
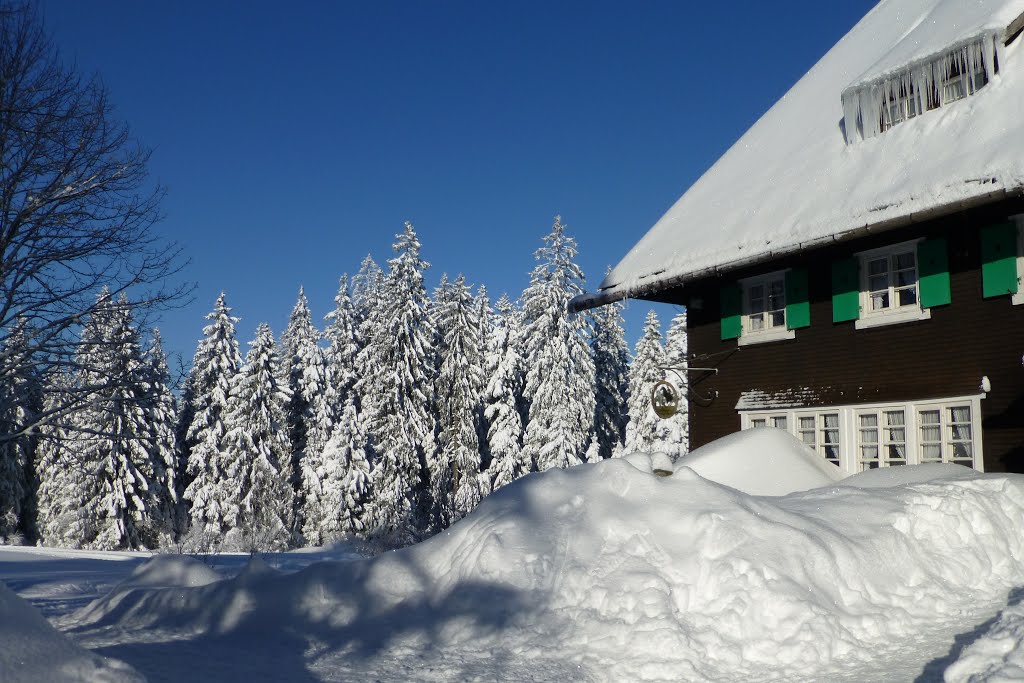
(295, 138)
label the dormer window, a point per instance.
(877, 103)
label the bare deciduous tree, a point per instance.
(77, 208)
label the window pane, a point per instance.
(878, 283)
(777, 318)
(807, 423)
(907, 297)
(878, 266)
(756, 322)
(779, 422)
(757, 423)
(879, 301)
(904, 260)
(869, 420)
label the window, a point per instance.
(864, 437)
(882, 438)
(947, 434)
(889, 286)
(764, 309)
(874, 105)
(820, 432)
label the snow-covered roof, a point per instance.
(792, 181)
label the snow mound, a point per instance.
(605, 572)
(170, 571)
(31, 650)
(761, 462)
(998, 653)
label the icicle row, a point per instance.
(919, 87)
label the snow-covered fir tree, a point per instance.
(675, 431)
(343, 343)
(504, 370)
(161, 411)
(62, 476)
(257, 453)
(113, 439)
(214, 366)
(649, 361)
(611, 368)
(367, 286)
(345, 480)
(397, 392)
(485, 314)
(20, 402)
(454, 484)
(560, 377)
(303, 369)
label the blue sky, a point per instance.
(293, 139)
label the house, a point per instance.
(852, 266)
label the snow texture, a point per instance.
(791, 182)
(31, 650)
(604, 572)
(761, 462)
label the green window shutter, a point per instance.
(731, 298)
(798, 305)
(933, 273)
(999, 260)
(845, 290)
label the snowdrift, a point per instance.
(31, 650)
(761, 462)
(607, 573)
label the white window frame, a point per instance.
(849, 428)
(893, 314)
(1018, 298)
(748, 334)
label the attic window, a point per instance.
(876, 105)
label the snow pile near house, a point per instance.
(761, 462)
(606, 572)
(31, 650)
(998, 653)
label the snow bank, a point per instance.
(32, 651)
(997, 655)
(607, 573)
(761, 462)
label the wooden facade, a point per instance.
(831, 364)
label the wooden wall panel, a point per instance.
(946, 355)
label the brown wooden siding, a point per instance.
(944, 356)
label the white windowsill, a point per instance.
(763, 337)
(892, 318)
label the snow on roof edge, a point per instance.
(633, 290)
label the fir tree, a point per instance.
(345, 479)
(114, 439)
(367, 285)
(257, 453)
(161, 411)
(63, 478)
(215, 365)
(397, 393)
(21, 397)
(611, 368)
(676, 430)
(343, 344)
(453, 471)
(303, 369)
(648, 366)
(560, 379)
(502, 396)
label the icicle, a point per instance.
(872, 107)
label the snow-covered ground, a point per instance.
(600, 572)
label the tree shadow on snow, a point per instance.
(934, 670)
(338, 618)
